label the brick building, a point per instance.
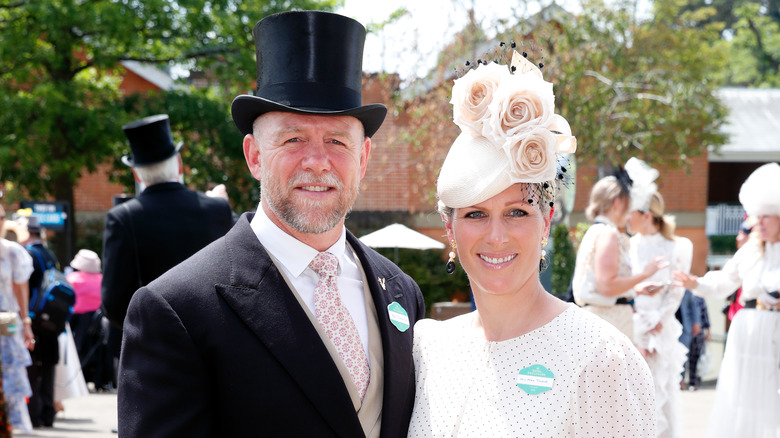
(702, 200)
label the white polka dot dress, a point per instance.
(469, 387)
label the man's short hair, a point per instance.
(164, 171)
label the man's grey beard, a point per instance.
(307, 219)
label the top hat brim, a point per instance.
(247, 108)
(128, 161)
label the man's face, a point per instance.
(309, 168)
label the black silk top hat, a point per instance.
(308, 62)
(150, 141)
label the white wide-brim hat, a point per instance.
(759, 194)
(87, 261)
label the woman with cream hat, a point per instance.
(524, 363)
(747, 400)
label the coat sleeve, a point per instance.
(161, 374)
(120, 269)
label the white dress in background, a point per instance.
(586, 294)
(668, 357)
(468, 387)
(747, 399)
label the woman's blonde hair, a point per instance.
(603, 195)
(665, 224)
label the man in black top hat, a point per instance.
(164, 225)
(236, 341)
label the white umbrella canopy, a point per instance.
(400, 236)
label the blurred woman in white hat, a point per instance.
(524, 363)
(85, 278)
(747, 400)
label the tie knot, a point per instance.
(325, 264)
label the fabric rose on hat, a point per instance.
(522, 103)
(472, 94)
(532, 156)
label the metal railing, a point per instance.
(723, 219)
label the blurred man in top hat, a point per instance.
(288, 326)
(164, 225)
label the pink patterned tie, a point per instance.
(337, 321)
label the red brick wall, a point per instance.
(385, 186)
(93, 191)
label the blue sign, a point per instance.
(51, 215)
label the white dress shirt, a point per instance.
(294, 257)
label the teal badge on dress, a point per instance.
(535, 379)
(398, 316)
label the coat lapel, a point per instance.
(397, 345)
(258, 294)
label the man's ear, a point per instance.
(252, 155)
(364, 154)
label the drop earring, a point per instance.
(451, 261)
(544, 251)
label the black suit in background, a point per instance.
(219, 346)
(148, 235)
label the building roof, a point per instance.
(151, 73)
(753, 125)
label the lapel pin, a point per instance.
(381, 281)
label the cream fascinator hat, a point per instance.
(642, 183)
(759, 194)
(509, 133)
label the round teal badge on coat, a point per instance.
(535, 379)
(398, 316)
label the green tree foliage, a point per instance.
(427, 268)
(60, 105)
(563, 260)
(631, 87)
(750, 33)
(628, 87)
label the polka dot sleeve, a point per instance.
(615, 395)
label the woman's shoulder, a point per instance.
(584, 331)
(430, 329)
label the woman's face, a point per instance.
(637, 222)
(499, 241)
(769, 228)
(619, 211)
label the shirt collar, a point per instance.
(293, 254)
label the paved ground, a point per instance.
(95, 415)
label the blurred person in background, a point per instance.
(734, 305)
(16, 266)
(87, 321)
(747, 401)
(656, 330)
(161, 227)
(46, 353)
(603, 282)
